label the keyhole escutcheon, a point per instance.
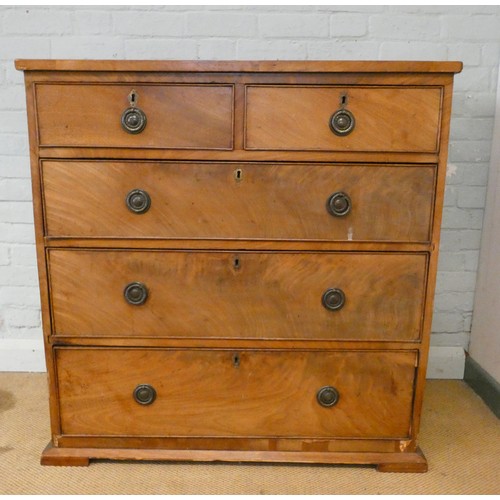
(238, 174)
(132, 98)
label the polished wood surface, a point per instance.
(224, 443)
(242, 66)
(238, 295)
(239, 244)
(206, 393)
(178, 116)
(297, 118)
(206, 120)
(397, 462)
(238, 200)
(202, 155)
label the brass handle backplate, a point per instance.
(327, 396)
(138, 201)
(133, 119)
(144, 394)
(333, 299)
(339, 204)
(135, 293)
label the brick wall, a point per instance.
(470, 34)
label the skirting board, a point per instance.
(27, 356)
(22, 355)
(483, 384)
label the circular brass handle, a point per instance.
(333, 299)
(144, 394)
(339, 204)
(328, 396)
(138, 201)
(342, 122)
(134, 120)
(135, 293)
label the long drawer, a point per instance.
(173, 116)
(161, 392)
(331, 118)
(352, 296)
(238, 200)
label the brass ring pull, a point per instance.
(339, 204)
(133, 119)
(327, 396)
(333, 299)
(144, 394)
(138, 201)
(135, 293)
(342, 122)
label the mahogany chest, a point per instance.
(237, 260)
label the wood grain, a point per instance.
(81, 456)
(433, 258)
(267, 201)
(232, 343)
(297, 118)
(236, 244)
(203, 393)
(331, 445)
(270, 295)
(202, 155)
(419, 464)
(53, 456)
(241, 66)
(178, 116)
(202, 309)
(43, 278)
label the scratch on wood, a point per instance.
(403, 445)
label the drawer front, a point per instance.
(177, 116)
(390, 119)
(243, 295)
(227, 393)
(207, 200)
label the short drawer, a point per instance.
(237, 295)
(174, 116)
(384, 119)
(238, 200)
(222, 393)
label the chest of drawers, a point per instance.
(237, 259)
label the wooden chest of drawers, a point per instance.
(237, 259)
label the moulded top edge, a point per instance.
(242, 66)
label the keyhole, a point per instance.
(236, 263)
(132, 98)
(343, 99)
(238, 174)
(236, 360)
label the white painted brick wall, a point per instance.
(467, 33)
(283, 25)
(348, 25)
